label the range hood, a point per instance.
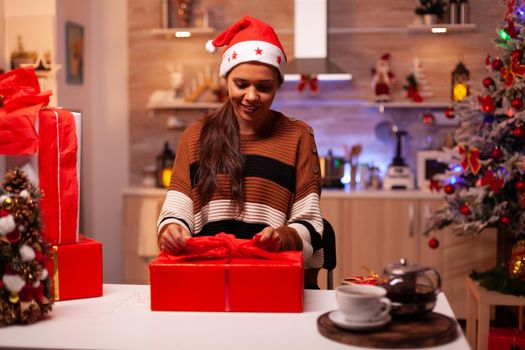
(310, 44)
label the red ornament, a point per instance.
(487, 60)
(449, 189)
(497, 64)
(504, 220)
(428, 119)
(449, 113)
(520, 185)
(496, 153)
(516, 55)
(518, 132)
(465, 210)
(488, 82)
(516, 103)
(433, 243)
(4, 212)
(1, 285)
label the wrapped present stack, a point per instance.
(44, 143)
(222, 273)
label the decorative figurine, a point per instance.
(382, 79)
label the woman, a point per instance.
(247, 170)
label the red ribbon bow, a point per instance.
(514, 69)
(310, 81)
(490, 180)
(222, 246)
(470, 159)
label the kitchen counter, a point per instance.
(326, 193)
(122, 319)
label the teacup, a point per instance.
(362, 302)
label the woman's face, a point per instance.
(252, 87)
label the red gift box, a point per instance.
(76, 269)
(274, 284)
(55, 170)
(506, 338)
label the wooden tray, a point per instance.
(428, 330)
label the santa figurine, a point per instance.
(382, 79)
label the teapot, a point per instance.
(411, 288)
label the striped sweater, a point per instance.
(282, 189)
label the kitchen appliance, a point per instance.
(429, 164)
(411, 288)
(311, 44)
(332, 170)
(398, 176)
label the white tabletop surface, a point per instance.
(122, 319)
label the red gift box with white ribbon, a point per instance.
(248, 279)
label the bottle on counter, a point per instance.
(453, 9)
(464, 12)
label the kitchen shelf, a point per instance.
(184, 105)
(314, 102)
(417, 28)
(171, 33)
(445, 28)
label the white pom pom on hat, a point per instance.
(210, 47)
(249, 39)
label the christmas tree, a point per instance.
(25, 291)
(485, 182)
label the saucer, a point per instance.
(339, 319)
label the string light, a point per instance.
(503, 35)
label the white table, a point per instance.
(122, 319)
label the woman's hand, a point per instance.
(173, 238)
(269, 240)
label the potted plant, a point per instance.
(430, 10)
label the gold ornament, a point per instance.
(517, 260)
(8, 203)
(13, 298)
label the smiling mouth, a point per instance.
(250, 109)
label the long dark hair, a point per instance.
(220, 153)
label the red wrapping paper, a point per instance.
(506, 338)
(57, 172)
(242, 279)
(76, 269)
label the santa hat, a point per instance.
(249, 40)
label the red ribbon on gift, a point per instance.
(223, 246)
(20, 102)
(470, 159)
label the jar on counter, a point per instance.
(374, 178)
